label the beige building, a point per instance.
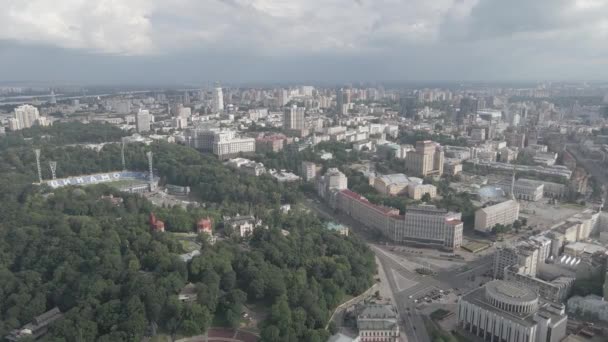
(378, 323)
(416, 191)
(394, 184)
(426, 160)
(525, 189)
(504, 213)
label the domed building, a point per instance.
(504, 311)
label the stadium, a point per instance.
(127, 181)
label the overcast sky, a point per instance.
(196, 41)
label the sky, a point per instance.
(200, 41)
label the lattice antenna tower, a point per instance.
(150, 170)
(513, 184)
(122, 156)
(37, 152)
(53, 165)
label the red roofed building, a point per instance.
(204, 225)
(155, 224)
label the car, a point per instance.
(410, 297)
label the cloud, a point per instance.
(307, 39)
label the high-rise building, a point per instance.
(504, 213)
(526, 256)
(293, 118)
(218, 99)
(407, 106)
(143, 120)
(282, 97)
(426, 160)
(25, 116)
(505, 311)
(309, 170)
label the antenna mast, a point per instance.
(513, 184)
(122, 155)
(37, 151)
(150, 170)
(53, 165)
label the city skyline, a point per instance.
(156, 42)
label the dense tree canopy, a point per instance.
(114, 279)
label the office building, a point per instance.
(25, 116)
(201, 138)
(218, 100)
(504, 213)
(293, 118)
(378, 323)
(227, 145)
(333, 180)
(426, 160)
(143, 120)
(504, 311)
(282, 97)
(421, 225)
(525, 189)
(270, 143)
(525, 255)
(556, 291)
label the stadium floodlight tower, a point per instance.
(53, 165)
(122, 156)
(37, 152)
(150, 172)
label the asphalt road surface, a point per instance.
(406, 285)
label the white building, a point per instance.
(143, 120)
(293, 118)
(242, 225)
(504, 311)
(218, 100)
(226, 145)
(25, 116)
(332, 180)
(504, 213)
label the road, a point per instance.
(403, 282)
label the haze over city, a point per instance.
(304, 170)
(189, 41)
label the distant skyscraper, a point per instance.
(339, 100)
(143, 119)
(186, 98)
(25, 116)
(282, 98)
(468, 105)
(53, 97)
(293, 118)
(408, 106)
(218, 99)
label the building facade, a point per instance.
(378, 323)
(504, 213)
(503, 311)
(143, 120)
(426, 160)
